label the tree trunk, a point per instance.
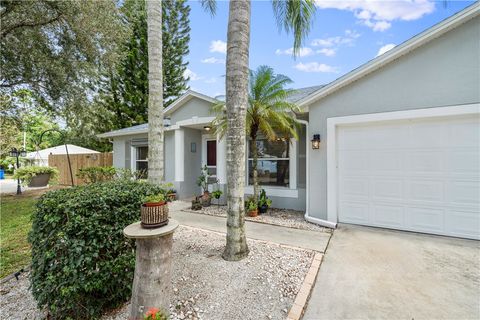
(253, 141)
(238, 41)
(155, 92)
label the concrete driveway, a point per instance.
(383, 274)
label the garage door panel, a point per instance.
(390, 189)
(426, 190)
(356, 212)
(428, 220)
(464, 192)
(417, 175)
(388, 216)
(461, 223)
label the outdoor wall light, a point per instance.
(207, 128)
(316, 141)
(17, 153)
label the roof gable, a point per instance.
(406, 47)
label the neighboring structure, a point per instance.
(40, 157)
(400, 140)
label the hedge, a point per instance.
(82, 264)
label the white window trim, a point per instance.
(333, 123)
(133, 158)
(205, 138)
(292, 170)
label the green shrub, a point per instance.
(81, 262)
(27, 173)
(96, 174)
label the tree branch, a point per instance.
(25, 24)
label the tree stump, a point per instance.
(152, 283)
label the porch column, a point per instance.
(293, 164)
(179, 154)
(221, 160)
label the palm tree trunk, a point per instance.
(238, 41)
(155, 91)
(253, 137)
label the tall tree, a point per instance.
(54, 47)
(155, 92)
(269, 113)
(293, 16)
(176, 37)
(125, 90)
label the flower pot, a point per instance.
(172, 196)
(206, 200)
(154, 214)
(263, 209)
(40, 180)
(253, 213)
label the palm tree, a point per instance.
(155, 91)
(269, 113)
(292, 15)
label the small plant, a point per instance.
(155, 314)
(26, 174)
(202, 180)
(154, 198)
(251, 205)
(217, 194)
(96, 174)
(264, 202)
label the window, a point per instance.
(273, 163)
(141, 159)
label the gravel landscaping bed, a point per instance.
(279, 217)
(262, 286)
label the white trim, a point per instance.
(185, 98)
(221, 160)
(275, 191)
(292, 174)
(400, 50)
(113, 134)
(179, 155)
(195, 121)
(333, 123)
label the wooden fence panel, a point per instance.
(78, 161)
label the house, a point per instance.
(400, 140)
(40, 157)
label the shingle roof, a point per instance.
(302, 93)
(299, 94)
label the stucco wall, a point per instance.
(169, 152)
(193, 108)
(443, 72)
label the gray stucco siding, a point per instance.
(169, 156)
(195, 107)
(444, 72)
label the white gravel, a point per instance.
(279, 217)
(262, 286)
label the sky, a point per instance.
(345, 35)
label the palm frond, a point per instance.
(210, 6)
(295, 16)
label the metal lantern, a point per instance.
(316, 141)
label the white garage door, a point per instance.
(419, 175)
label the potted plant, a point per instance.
(251, 207)
(263, 202)
(196, 204)
(170, 191)
(217, 194)
(36, 176)
(202, 182)
(154, 211)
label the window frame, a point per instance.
(291, 175)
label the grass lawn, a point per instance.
(15, 224)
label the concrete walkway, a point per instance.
(371, 273)
(305, 239)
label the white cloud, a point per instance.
(378, 15)
(315, 67)
(385, 48)
(218, 46)
(303, 52)
(347, 39)
(329, 52)
(189, 73)
(213, 60)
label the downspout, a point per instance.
(321, 222)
